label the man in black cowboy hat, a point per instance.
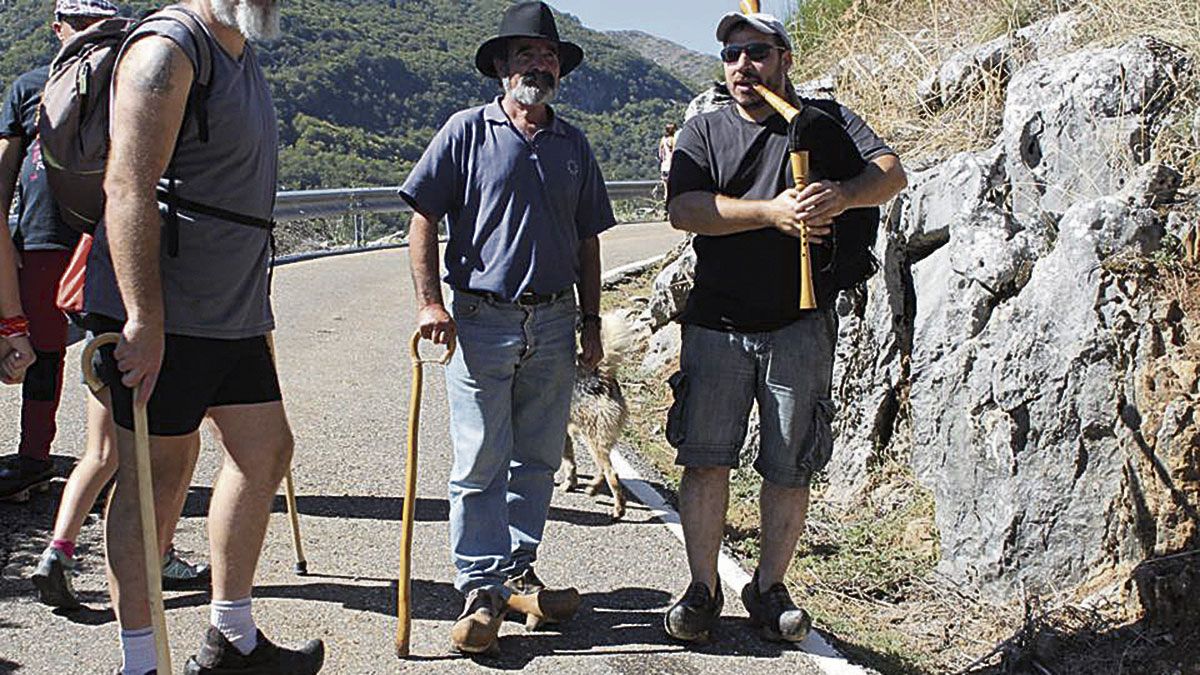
(524, 201)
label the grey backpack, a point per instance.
(74, 114)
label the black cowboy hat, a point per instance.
(527, 20)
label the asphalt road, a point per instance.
(342, 341)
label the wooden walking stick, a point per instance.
(799, 159)
(408, 511)
(289, 488)
(145, 494)
(289, 492)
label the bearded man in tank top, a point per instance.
(189, 294)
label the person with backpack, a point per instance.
(47, 239)
(745, 337)
(44, 243)
(180, 268)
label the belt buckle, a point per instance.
(527, 299)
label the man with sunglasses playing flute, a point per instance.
(745, 337)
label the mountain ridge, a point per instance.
(362, 85)
(693, 68)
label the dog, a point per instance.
(599, 412)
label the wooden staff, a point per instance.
(799, 159)
(145, 491)
(289, 493)
(408, 510)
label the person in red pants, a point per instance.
(44, 244)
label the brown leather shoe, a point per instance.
(476, 629)
(539, 604)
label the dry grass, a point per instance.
(868, 573)
(881, 49)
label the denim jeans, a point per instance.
(509, 387)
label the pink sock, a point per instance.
(65, 545)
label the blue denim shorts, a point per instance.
(787, 371)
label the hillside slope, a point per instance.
(361, 85)
(695, 69)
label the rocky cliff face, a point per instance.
(1042, 389)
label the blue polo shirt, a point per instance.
(516, 209)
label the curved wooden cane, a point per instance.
(404, 602)
(145, 497)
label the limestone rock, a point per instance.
(1050, 37)
(671, 288)
(1075, 128)
(1152, 184)
(1018, 432)
(713, 98)
(662, 349)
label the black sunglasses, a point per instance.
(757, 51)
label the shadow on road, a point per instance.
(25, 531)
(626, 621)
(366, 507)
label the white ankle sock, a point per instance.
(138, 652)
(233, 619)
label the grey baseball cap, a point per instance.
(96, 8)
(763, 23)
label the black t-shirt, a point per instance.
(38, 227)
(750, 281)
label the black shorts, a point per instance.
(197, 374)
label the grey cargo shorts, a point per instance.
(788, 371)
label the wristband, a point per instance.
(589, 318)
(14, 326)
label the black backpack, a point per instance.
(850, 259)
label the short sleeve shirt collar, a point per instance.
(494, 114)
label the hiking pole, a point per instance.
(289, 493)
(145, 495)
(403, 600)
(799, 159)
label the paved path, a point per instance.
(343, 327)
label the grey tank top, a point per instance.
(217, 285)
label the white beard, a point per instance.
(527, 93)
(252, 21)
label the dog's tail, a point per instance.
(618, 336)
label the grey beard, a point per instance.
(254, 23)
(529, 94)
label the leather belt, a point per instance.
(526, 299)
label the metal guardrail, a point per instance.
(294, 205)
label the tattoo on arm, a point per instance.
(152, 65)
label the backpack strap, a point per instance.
(174, 202)
(194, 24)
(196, 106)
(171, 199)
